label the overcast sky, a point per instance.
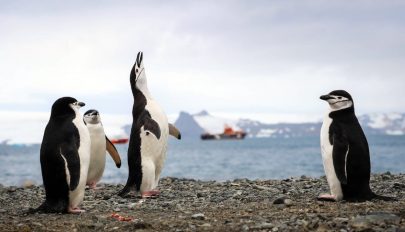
(267, 60)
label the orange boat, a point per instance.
(119, 141)
(228, 133)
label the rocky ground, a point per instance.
(190, 205)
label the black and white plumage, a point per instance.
(65, 156)
(149, 135)
(345, 151)
(100, 144)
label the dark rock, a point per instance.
(283, 200)
(380, 218)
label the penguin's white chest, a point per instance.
(153, 150)
(98, 152)
(327, 158)
(76, 196)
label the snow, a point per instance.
(265, 133)
(214, 125)
(394, 116)
(380, 121)
(377, 121)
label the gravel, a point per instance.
(193, 205)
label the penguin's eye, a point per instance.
(339, 97)
(136, 70)
(74, 103)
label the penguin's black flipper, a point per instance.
(150, 124)
(339, 155)
(112, 150)
(72, 159)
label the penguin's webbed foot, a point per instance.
(150, 194)
(326, 197)
(75, 210)
(93, 185)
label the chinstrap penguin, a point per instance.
(65, 157)
(345, 151)
(148, 139)
(99, 145)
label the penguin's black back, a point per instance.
(60, 136)
(134, 147)
(346, 127)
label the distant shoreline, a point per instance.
(189, 205)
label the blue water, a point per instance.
(267, 158)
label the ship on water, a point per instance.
(229, 133)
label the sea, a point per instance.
(252, 158)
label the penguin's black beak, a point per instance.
(326, 97)
(81, 104)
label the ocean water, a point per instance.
(265, 158)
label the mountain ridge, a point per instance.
(193, 125)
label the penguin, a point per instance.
(65, 157)
(345, 151)
(99, 145)
(149, 135)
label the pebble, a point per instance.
(198, 216)
(263, 226)
(380, 218)
(283, 200)
(242, 205)
(206, 225)
(28, 184)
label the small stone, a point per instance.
(238, 193)
(198, 216)
(117, 209)
(245, 228)
(288, 202)
(132, 205)
(341, 220)
(12, 189)
(206, 225)
(283, 200)
(28, 184)
(323, 228)
(199, 194)
(380, 218)
(37, 224)
(263, 226)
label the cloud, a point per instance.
(260, 57)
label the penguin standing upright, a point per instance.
(65, 157)
(148, 139)
(99, 145)
(345, 151)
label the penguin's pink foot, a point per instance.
(93, 185)
(75, 210)
(326, 197)
(150, 194)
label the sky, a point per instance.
(264, 60)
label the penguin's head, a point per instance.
(338, 99)
(91, 117)
(137, 76)
(66, 106)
